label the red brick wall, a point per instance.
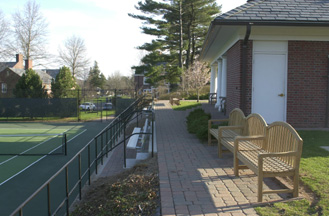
(11, 79)
(307, 83)
(249, 78)
(233, 88)
(234, 71)
(138, 82)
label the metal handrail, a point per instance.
(118, 124)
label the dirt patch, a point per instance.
(132, 192)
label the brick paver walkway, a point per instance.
(193, 180)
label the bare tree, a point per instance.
(30, 30)
(197, 76)
(4, 33)
(117, 81)
(74, 55)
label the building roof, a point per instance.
(278, 11)
(4, 65)
(295, 17)
(52, 72)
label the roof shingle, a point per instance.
(279, 10)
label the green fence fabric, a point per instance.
(122, 104)
(38, 107)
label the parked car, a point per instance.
(107, 106)
(87, 106)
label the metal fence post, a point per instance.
(67, 190)
(152, 133)
(89, 174)
(124, 146)
(48, 199)
(96, 151)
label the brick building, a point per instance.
(140, 84)
(271, 57)
(10, 73)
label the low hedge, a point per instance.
(197, 123)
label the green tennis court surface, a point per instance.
(21, 175)
(33, 140)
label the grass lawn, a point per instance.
(85, 116)
(314, 173)
(184, 105)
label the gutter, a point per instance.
(270, 23)
(244, 69)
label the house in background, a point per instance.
(10, 73)
(141, 86)
(271, 57)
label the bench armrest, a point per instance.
(246, 138)
(215, 120)
(261, 156)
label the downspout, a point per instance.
(244, 68)
(327, 104)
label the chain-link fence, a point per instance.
(78, 104)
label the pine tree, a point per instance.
(64, 85)
(30, 86)
(96, 78)
(180, 27)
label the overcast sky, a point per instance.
(111, 36)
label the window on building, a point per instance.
(4, 88)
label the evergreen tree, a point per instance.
(96, 78)
(30, 86)
(64, 85)
(180, 27)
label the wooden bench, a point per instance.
(235, 121)
(253, 132)
(279, 155)
(175, 101)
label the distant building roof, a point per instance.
(51, 72)
(278, 11)
(4, 65)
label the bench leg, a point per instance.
(209, 138)
(295, 186)
(220, 150)
(260, 187)
(236, 165)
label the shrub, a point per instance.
(197, 123)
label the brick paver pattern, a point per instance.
(193, 180)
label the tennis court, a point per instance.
(35, 140)
(31, 152)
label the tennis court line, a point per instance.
(38, 160)
(27, 135)
(9, 159)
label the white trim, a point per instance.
(285, 33)
(4, 88)
(219, 79)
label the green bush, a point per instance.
(195, 97)
(197, 123)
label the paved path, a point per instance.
(193, 180)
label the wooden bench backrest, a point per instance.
(237, 118)
(255, 125)
(282, 137)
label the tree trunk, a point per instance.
(189, 45)
(197, 93)
(181, 42)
